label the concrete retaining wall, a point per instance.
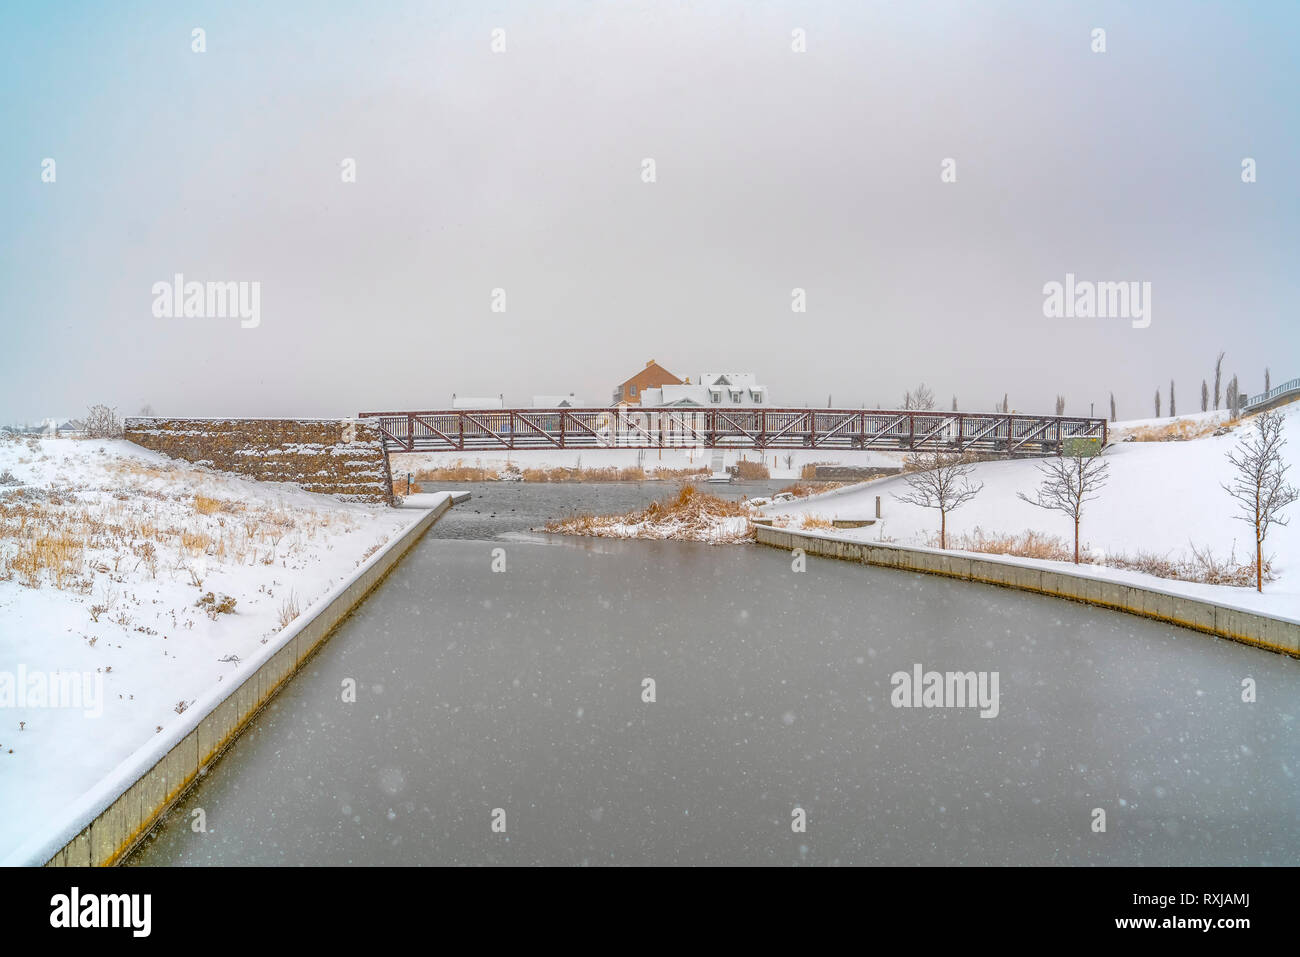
(343, 457)
(1275, 634)
(120, 817)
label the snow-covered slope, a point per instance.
(1160, 497)
(125, 621)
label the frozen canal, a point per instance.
(522, 691)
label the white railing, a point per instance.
(1265, 397)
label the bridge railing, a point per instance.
(747, 427)
(1277, 392)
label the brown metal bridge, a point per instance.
(629, 427)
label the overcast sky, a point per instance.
(522, 170)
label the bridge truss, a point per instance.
(630, 427)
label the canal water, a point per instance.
(515, 697)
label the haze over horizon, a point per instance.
(521, 170)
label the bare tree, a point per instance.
(146, 410)
(1259, 485)
(939, 480)
(1157, 403)
(1218, 378)
(922, 399)
(1060, 405)
(1070, 481)
(1112, 406)
(1173, 401)
(102, 423)
(1234, 398)
(1205, 396)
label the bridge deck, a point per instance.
(460, 430)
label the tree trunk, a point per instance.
(943, 529)
(1076, 540)
(1259, 565)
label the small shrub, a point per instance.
(1081, 446)
(214, 605)
(103, 423)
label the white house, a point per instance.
(710, 388)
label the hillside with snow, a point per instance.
(143, 583)
(1162, 498)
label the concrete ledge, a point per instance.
(109, 821)
(1275, 634)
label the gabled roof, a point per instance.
(667, 377)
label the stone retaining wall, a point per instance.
(342, 457)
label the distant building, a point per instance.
(653, 376)
(711, 388)
(569, 401)
(477, 402)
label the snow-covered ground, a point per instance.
(1161, 497)
(103, 546)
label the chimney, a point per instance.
(649, 363)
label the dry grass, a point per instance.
(610, 474)
(817, 521)
(1180, 431)
(689, 515)
(119, 529)
(460, 472)
(751, 471)
(457, 473)
(47, 551)
(1028, 544)
(804, 489)
(1202, 566)
(206, 505)
(288, 610)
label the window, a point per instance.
(632, 390)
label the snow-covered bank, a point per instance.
(142, 585)
(1162, 497)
